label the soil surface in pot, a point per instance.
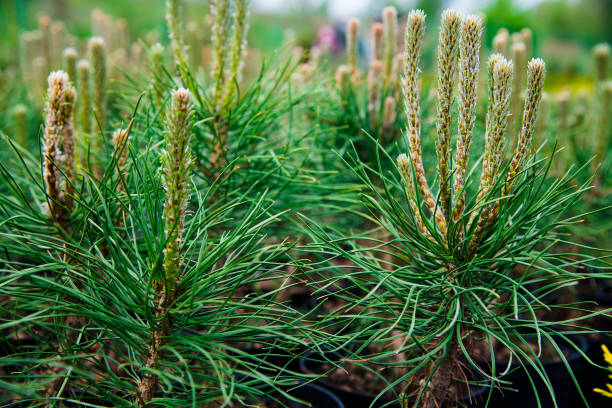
(521, 392)
(545, 353)
(360, 384)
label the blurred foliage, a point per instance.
(564, 30)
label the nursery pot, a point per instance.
(601, 293)
(522, 393)
(311, 364)
(317, 396)
(596, 290)
(277, 357)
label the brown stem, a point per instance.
(217, 156)
(146, 387)
(439, 390)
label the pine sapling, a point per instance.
(536, 72)
(500, 85)
(352, 34)
(527, 37)
(174, 19)
(220, 14)
(501, 43)
(20, 125)
(469, 65)
(58, 154)
(227, 67)
(44, 25)
(375, 76)
(58, 32)
(383, 78)
(237, 50)
(377, 41)
(176, 174)
(448, 48)
(102, 26)
(97, 51)
(83, 85)
(519, 53)
(444, 270)
(415, 30)
(441, 369)
(469, 30)
(176, 177)
(156, 66)
(390, 47)
(601, 52)
(69, 62)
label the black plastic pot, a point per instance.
(601, 294)
(277, 357)
(317, 396)
(354, 399)
(596, 290)
(564, 388)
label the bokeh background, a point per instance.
(564, 31)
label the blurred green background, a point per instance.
(564, 30)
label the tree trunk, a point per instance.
(439, 390)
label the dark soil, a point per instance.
(370, 380)
(481, 350)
